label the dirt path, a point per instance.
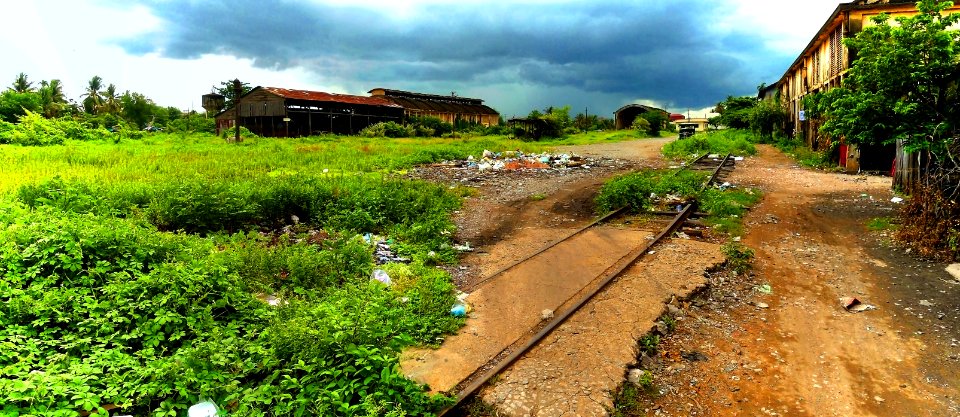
(796, 352)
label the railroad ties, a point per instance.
(719, 167)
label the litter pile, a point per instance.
(515, 160)
(382, 252)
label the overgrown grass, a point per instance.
(799, 151)
(733, 141)
(135, 272)
(881, 224)
(645, 191)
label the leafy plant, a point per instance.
(739, 257)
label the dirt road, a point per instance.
(741, 348)
(796, 351)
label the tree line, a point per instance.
(101, 105)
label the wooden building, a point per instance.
(823, 65)
(625, 115)
(281, 112)
(450, 109)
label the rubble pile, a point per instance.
(516, 160)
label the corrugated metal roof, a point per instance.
(432, 97)
(329, 97)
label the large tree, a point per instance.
(226, 90)
(52, 100)
(93, 97)
(111, 100)
(21, 85)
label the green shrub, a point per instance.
(733, 141)
(388, 130)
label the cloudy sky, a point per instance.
(516, 55)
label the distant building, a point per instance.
(625, 115)
(700, 123)
(272, 111)
(449, 109)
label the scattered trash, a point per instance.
(736, 238)
(725, 186)
(765, 288)
(381, 275)
(546, 314)
(459, 309)
(204, 408)
(682, 235)
(763, 305)
(954, 270)
(896, 200)
(635, 375)
(926, 303)
(651, 252)
(738, 158)
(465, 247)
(382, 252)
(854, 305)
(516, 160)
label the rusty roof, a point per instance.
(328, 97)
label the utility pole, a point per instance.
(237, 91)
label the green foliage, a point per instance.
(739, 257)
(641, 125)
(429, 126)
(388, 130)
(880, 224)
(555, 121)
(767, 118)
(903, 84)
(657, 121)
(649, 343)
(193, 122)
(722, 142)
(14, 105)
(226, 90)
(89, 319)
(634, 190)
(798, 150)
(735, 112)
(35, 130)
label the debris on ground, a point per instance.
(546, 314)
(854, 305)
(514, 160)
(381, 276)
(954, 270)
(382, 252)
(765, 289)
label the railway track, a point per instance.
(718, 167)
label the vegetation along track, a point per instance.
(467, 387)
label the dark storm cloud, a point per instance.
(663, 51)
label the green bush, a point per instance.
(388, 130)
(635, 190)
(733, 141)
(97, 311)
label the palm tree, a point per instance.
(94, 100)
(21, 85)
(51, 95)
(111, 100)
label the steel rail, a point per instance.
(548, 246)
(621, 265)
(713, 177)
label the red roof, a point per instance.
(330, 97)
(674, 117)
